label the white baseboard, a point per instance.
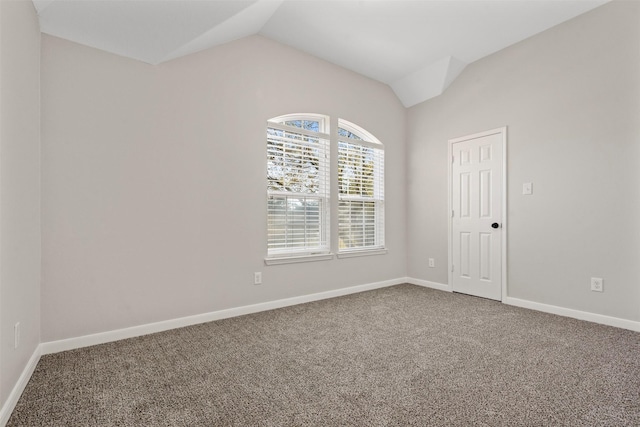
(428, 284)
(575, 314)
(546, 308)
(14, 396)
(100, 338)
(136, 331)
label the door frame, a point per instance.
(501, 131)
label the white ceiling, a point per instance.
(418, 47)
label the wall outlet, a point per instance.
(257, 278)
(16, 335)
(597, 284)
(432, 263)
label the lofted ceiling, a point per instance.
(418, 47)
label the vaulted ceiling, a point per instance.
(418, 47)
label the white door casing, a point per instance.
(477, 226)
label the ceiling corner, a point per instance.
(245, 23)
(41, 5)
(427, 82)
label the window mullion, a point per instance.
(333, 208)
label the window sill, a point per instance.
(297, 258)
(366, 252)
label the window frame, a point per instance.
(366, 141)
(328, 132)
(322, 250)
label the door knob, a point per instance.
(495, 225)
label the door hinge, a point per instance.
(453, 213)
(453, 159)
(452, 268)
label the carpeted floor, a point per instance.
(398, 356)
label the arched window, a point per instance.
(360, 189)
(298, 185)
(299, 193)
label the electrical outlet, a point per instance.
(597, 284)
(257, 278)
(16, 335)
(432, 262)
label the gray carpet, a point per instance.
(398, 356)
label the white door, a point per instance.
(476, 217)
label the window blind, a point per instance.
(298, 188)
(361, 193)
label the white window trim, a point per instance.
(333, 138)
(292, 259)
(284, 256)
(345, 253)
(369, 141)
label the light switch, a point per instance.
(527, 188)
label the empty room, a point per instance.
(319, 213)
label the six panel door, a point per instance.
(476, 232)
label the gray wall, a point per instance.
(570, 97)
(19, 188)
(154, 181)
(153, 176)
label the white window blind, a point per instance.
(361, 190)
(298, 186)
